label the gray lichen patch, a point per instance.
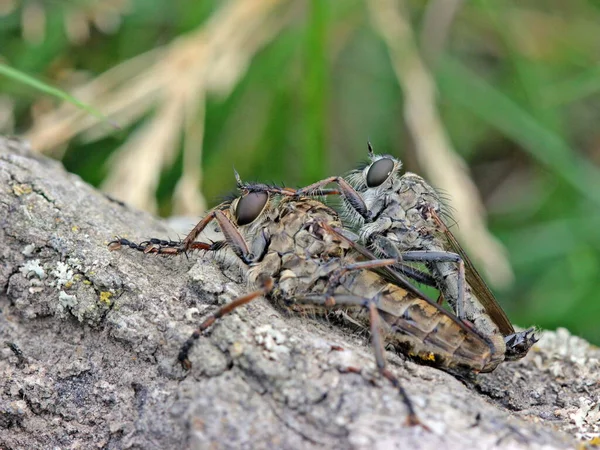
(63, 274)
(33, 269)
(272, 340)
(48, 287)
(66, 301)
(28, 250)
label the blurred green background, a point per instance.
(295, 97)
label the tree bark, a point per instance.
(89, 341)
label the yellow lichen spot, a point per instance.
(68, 285)
(105, 297)
(75, 229)
(87, 282)
(595, 441)
(428, 357)
(20, 189)
(236, 349)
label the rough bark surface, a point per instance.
(89, 339)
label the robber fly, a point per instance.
(400, 217)
(289, 248)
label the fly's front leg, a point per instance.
(210, 320)
(162, 246)
(348, 192)
(173, 248)
(233, 239)
(341, 301)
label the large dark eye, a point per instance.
(379, 172)
(249, 207)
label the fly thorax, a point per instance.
(269, 265)
(281, 241)
(303, 239)
(415, 192)
(374, 199)
(312, 245)
(415, 218)
(372, 229)
(393, 209)
(408, 239)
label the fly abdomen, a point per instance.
(433, 337)
(418, 328)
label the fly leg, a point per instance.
(390, 249)
(233, 238)
(162, 246)
(346, 190)
(397, 276)
(218, 314)
(442, 256)
(341, 301)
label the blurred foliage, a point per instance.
(519, 93)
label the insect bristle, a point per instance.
(362, 165)
(356, 180)
(228, 197)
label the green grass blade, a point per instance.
(314, 154)
(583, 85)
(23, 78)
(463, 87)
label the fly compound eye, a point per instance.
(249, 207)
(379, 172)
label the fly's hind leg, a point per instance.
(443, 256)
(397, 276)
(218, 314)
(428, 256)
(342, 301)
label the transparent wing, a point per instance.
(478, 285)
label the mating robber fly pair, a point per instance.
(297, 252)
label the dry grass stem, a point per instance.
(172, 84)
(437, 22)
(434, 151)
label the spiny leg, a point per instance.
(377, 342)
(389, 249)
(218, 314)
(164, 247)
(234, 240)
(340, 301)
(443, 256)
(347, 191)
(396, 277)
